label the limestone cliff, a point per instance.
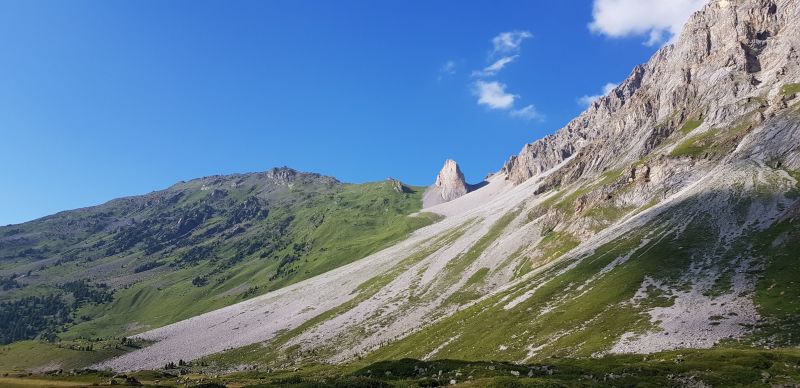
(449, 185)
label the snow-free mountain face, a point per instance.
(449, 185)
(666, 216)
(663, 217)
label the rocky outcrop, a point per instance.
(397, 185)
(449, 185)
(731, 59)
(285, 176)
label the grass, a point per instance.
(789, 89)
(794, 192)
(690, 125)
(477, 277)
(722, 285)
(607, 214)
(696, 146)
(24, 355)
(667, 369)
(456, 267)
(777, 293)
(567, 203)
(272, 353)
(550, 247)
(358, 221)
(579, 308)
(318, 227)
(555, 244)
(572, 312)
(707, 367)
(715, 142)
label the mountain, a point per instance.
(449, 185)
(663, 218)
(146, 261)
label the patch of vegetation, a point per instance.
(610, 176)
(576, 308)
(148, 266)
(31, 317)
(272, 353)
(477, 277)
(667, 369)
(44, 316)
(567, 202)
(552, 246)
(789, 89)
(657, 297)
(648, 205)
(712, 143)
(696, 145)
(458, 265)
(777, 293)
(722, 285)
(22, 356)
(242, 246)
(794, 193)
(705, 367)
(690, 125)
(9, 283)
(85, 292)
(607, 214)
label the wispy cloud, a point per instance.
(508, 42)
(505, 50)
(528, 113)
(495, 67)
(493, 94)
(588, 100)
(659, 20)
(447, 70)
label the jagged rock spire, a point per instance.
(449, 185)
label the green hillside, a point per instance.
(147, 261)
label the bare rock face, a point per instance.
(730, 62)
(450, 184)
(397, 185)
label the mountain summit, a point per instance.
(449, 185)
(728, 66)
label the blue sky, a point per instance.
(102, 99)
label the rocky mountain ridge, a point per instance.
(730, 61)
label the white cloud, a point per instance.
(447, 70)
(659, 20)
(493, 94)
(529, 112)
(508, 42)
(588, 100)
(505, 49)
(495, 67)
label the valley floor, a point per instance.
(710, 367)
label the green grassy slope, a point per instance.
(714, 367)
(201, 245)
(581, 307)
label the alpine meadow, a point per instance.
(653, 240)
